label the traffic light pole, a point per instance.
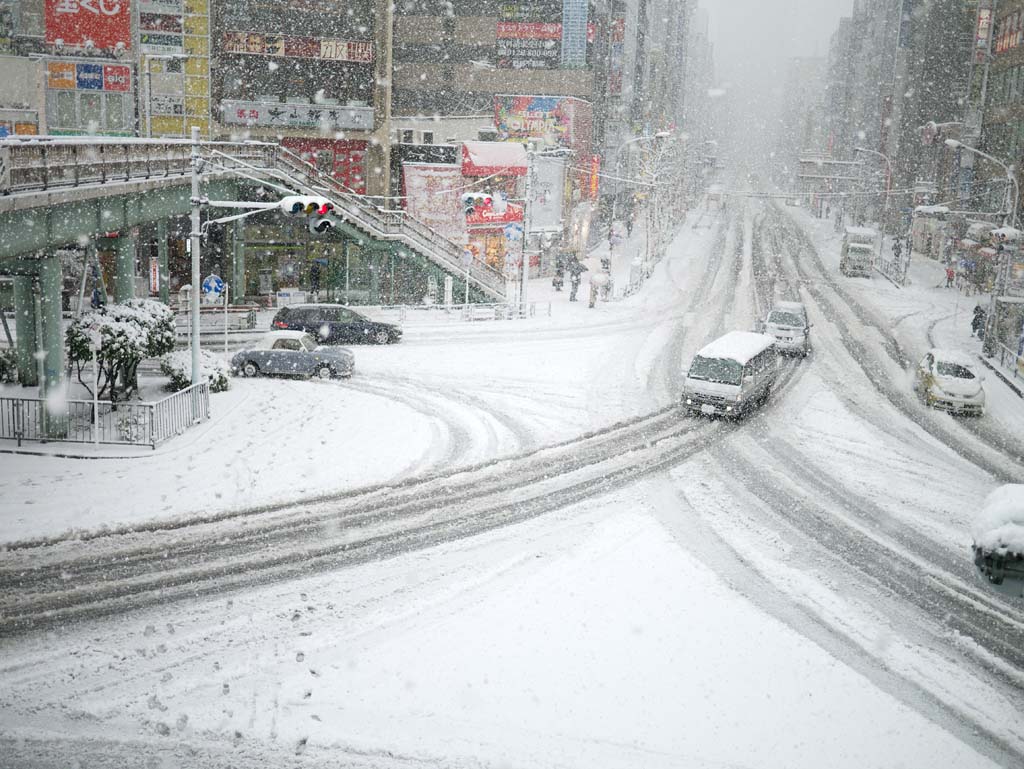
(196, 241)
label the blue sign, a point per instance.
(213, 285)
(513, 231)
(89, 77)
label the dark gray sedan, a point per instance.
(293, 353)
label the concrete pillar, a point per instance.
(238, 264)
(124, 268)
(50, 283)
(162, 261)
(376, 267)
(25, 330)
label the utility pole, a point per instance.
(195, 240)
(527, 213)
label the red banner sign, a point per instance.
(103, 23)
(116, 77)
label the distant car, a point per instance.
(293, 353)
(947, 380)
(335, 324)
(787, 325)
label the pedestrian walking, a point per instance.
(978, 321)
(950, 275)
(559, 280)
(629, 224)
(575, 268)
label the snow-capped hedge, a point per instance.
(8, 366)
(999, 527)
(178, 366)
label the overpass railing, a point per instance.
(40, 164)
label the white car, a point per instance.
(947, 380)
(787, 325)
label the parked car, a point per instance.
(335, 324)
(947, 380)
(998, 533)
(787, 325)
(732, 375)
(293, 353)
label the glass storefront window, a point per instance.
(115, 112)
(66, 117)
(91, 110)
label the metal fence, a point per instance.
(404, 313)
(1009, 360)
(126, 423)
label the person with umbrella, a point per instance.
(576, 269)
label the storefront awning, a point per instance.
(490, 158)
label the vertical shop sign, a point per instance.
(595, 178)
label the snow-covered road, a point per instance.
(672, 592)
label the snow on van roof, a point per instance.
(790, 307)
(1000, 524)
(865, 232)
(739, 346)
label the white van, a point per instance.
(787, 325)
(732, 375)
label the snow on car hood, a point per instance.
(965, 388)
(1000, 524)
(333, 351)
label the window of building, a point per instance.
(115, 112)
(91, 110)
(407, 136)
(428, 137)
(66, 109)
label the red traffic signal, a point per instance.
(306, 205)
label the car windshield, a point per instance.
(782, 318)
(307, 342)
(722, 370)
(954, 370)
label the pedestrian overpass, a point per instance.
(59, 191)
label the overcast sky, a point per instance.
(753, 37)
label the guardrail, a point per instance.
(403, 313)
(125, 423)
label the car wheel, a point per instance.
(324, 372)
(381, 337)
(250, 369)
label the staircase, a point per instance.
(34, 171)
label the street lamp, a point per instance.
(149, 84)
(615, 160)
(888, 186)
(1011, 220)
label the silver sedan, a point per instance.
(293, 353)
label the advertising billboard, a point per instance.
(293, 46)
(547, 118)
(432, 195)
(104, 24)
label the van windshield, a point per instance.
(954, 370)
(721, 370)
(780, 318)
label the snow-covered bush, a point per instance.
(8, 366)
(129, 332)
(178, 367)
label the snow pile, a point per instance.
(178, 366)
(739, 346)
(1000, 525)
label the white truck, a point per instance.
(859, 246)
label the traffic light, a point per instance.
(471, 201)
(312, 206)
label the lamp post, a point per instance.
(149, 83)
(196, 239)
(989, 346)
(885, 206)
(615, 160)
